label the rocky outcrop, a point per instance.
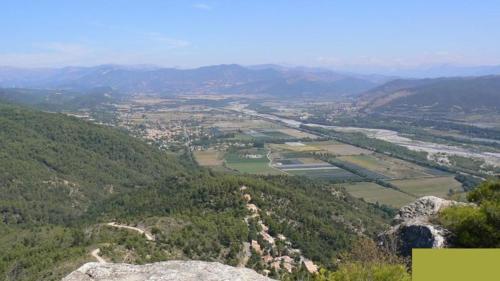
(413, 226)
(163, 271)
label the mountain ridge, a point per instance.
(441, 95)
(235, 79)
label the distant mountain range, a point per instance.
(374, 92)
(264, 80)
(459, 94)
(430, 71)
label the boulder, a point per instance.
(163, 271)
(413, 226)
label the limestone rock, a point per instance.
(423, 209)
(163, 271)
(413, 226)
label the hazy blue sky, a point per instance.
(193, 33)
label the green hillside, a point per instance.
(67, 163)
(441, 95)
(61, 178)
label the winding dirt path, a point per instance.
(148, 236)
(95, 254)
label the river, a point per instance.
(387, 135)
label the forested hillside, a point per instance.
(59, 100)
(61, 178)
(441, 95)
(66, 164)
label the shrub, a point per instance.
(365, 272)
(476, 227)
(487, 191)
(367, 262)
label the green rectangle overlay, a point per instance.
(456, 264)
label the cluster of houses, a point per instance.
(223, 146)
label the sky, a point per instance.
(336, 34)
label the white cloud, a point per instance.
(202, 6)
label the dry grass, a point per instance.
(209, 157)
(341, 149)
(150, 100)
(437, 186)
(373, 193)
(301, 148)
(388, 166)
(297, 133)
(309, 160)
(245, 124)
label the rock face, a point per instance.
(163, 271)
(413, 226)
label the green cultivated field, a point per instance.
(242, 137)
(277, 135)
(242, 162)
(365, 161)
(330, 174)
(388, 166)
(438, 186)
(373, 193)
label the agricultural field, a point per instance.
(310, 160)
(313, 168)
(334, 174)
(242, 137)
(170, 116)
(294, 146)
(245, 124)
(296, 154)
(373, 193)
(150, 101)
(388, 166)
(297, 134)
(209, 157)
(330, 147)
(268, 135)
(437, 186)
(280, 160)
(250, 161)
(340, 149)
(276, 134)
(261, 135)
